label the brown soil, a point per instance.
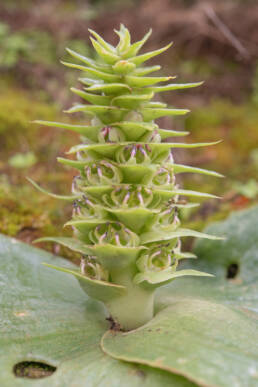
(33, 370)
(217, 31)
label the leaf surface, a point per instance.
(46, 317)
(205, 328)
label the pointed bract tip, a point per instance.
(91, 31)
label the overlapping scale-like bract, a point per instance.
(126, 198)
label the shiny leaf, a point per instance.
(46, 317)
(205, 329)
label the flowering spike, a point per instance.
(125, 213)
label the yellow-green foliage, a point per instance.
(236, 124)
(17, 109)
(24, 213)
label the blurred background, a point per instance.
(214, 41)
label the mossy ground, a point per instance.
(24, 212)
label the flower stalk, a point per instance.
(125, 196)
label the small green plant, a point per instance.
(126, 200)
(22, 160)
(12, 45)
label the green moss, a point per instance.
(24, 213)
(27, 215)
(236, 125)
(18, 108)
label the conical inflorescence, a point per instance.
(125, 197)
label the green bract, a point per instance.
(125, 197)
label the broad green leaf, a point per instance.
(208, 343)
(205, 329)
(46, 317)
(240, 248)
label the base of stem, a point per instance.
(132, 310)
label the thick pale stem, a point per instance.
(133, 309)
